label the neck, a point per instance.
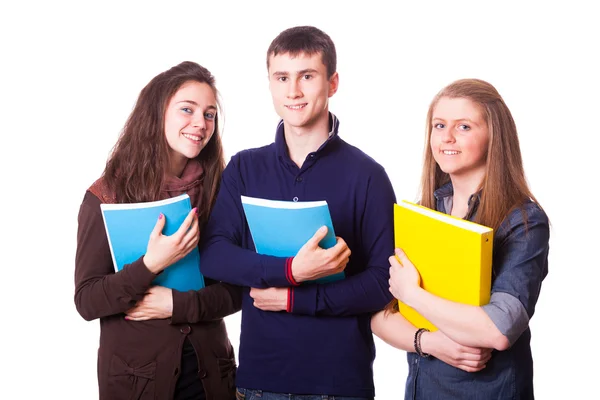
(301, 141)
(464, 187)
(178, 164)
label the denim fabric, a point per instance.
(520, 263)
(251, 394)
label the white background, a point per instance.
(70, 74)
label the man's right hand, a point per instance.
(313, 262)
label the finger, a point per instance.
(401, 256)
(317, 237)
(138, 319)
(136, 314)
(158, 227)
(189, 247)
(186, 224)
(341, 260)
(192, 236)
(153, 289)
(475, 350)
(468, 357)
(469, 369)
(340, 245)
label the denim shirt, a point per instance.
(520, 263)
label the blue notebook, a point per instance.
(128, 228)
(281, 228)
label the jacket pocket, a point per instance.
(227, 369)
(131, 382)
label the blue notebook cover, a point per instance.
(128, 227)
(281, 228)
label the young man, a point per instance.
(309, 339)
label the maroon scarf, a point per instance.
(189, 182)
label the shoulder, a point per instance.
(101, 191)
(528, 218)
(90, 206)
(527, 213)
(251, 156)
(359, 161)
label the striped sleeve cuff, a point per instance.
(288, 272)
(290, 300)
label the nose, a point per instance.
(199, 121)
(447, 135)
(294, 91)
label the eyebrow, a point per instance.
(457, 120)
(196, 104)
(301, 72)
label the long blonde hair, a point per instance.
(504, 186)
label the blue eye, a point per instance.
(187, 110)
(209, 115)
(464, 127)
(439, 126)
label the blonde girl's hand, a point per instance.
(440, 346)
(404, 277)
(164, 250)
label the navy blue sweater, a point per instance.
(324, 345)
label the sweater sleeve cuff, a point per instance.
(181, 301)
(278, 275)
(138, 275)
(303, 299)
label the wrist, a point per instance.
(150, 265)
(291, 273)
(417, 342)
(411, 297)
(427, 342)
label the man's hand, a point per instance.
(313, 262)
(271, 299)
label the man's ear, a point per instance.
(333, 83)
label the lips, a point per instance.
(296, 107)
(192, 137)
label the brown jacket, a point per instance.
(141, 360)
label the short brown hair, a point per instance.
(308, 40)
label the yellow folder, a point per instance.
(453, 256)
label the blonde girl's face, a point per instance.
(459, 138)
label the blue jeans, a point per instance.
(251, 394)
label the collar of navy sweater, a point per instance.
(281, 145)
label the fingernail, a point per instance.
(195, 210)
(322, 229)
(160, 216)
(126, 317)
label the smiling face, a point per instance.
(459, 139)
(189, 122)
(300, 90)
